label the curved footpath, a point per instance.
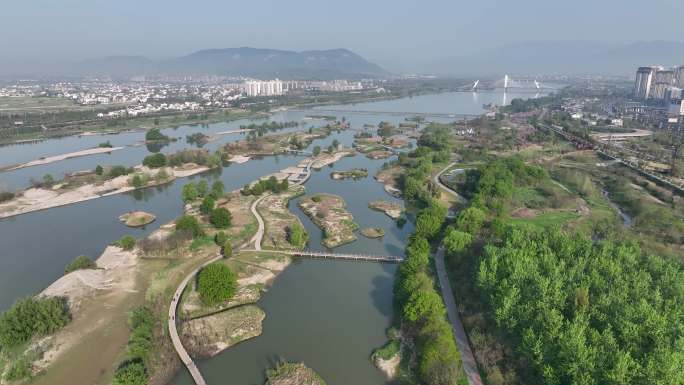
(467, 358)
(182, 353)
(175, 339)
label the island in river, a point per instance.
(329, 213)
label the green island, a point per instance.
(291, 373)
(356, 173)
(329, 213)
(373, 232)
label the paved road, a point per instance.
(444, 187)
(467, 358)
(175, 339)
(256, 239)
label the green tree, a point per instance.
(316, 150)
(221, 218)
(220, 238)
(155, 160)
(99, 170)
(336, 144)
(227, 249)
(207, 205)
(79, 263)
(31, 317)
(190, 224)
(296, 235)
(202, 188)
(48, 180)
(189, 192)
(430, 220)
(217, 189)
(127, 242)
(456, 242)
(137, 181)
(216, 283)
(470, 220)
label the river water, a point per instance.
(331, 315)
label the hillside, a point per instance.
(245, 61)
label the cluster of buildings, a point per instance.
(658, 82)
(140, 109)
(253, 88)
(659, 97)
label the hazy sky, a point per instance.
(397, 34)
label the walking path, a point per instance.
(445, 187)
(467, 358)
(175, 339)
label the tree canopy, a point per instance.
(584, 312)
(216, 283)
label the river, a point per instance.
(331, 315)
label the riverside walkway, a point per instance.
(173, 331)
(467, 358)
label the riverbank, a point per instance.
(42, 198)
(58, 158)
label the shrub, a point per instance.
(316, 198)
(202, 188)
(207, 205)
(296, 235)
(227, 249)
(189, 192)
(31, 317)
(155, 160)
(126, 242)
(80, 263)
(216, 283)
(154, 135)
(117, 171)
(99, 170)
(217, 189)
(137, 181)
(106, 144)
(220, 238)
(161, 175)
(131, 373)
(21, 368)
(220, 218)
(189, 223)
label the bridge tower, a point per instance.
(477, 82)
(506, 82)
(536, 84)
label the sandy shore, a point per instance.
(35, 199)
(58, 158)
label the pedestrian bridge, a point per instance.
(340, 256)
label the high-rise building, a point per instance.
(644, 81)
(679, 76)
(663, 80)
(263, 88)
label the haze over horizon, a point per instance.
(406, 40)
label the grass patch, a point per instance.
(201, 242)
(555, 218)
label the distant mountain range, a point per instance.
(565, 57)
(245, 61)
